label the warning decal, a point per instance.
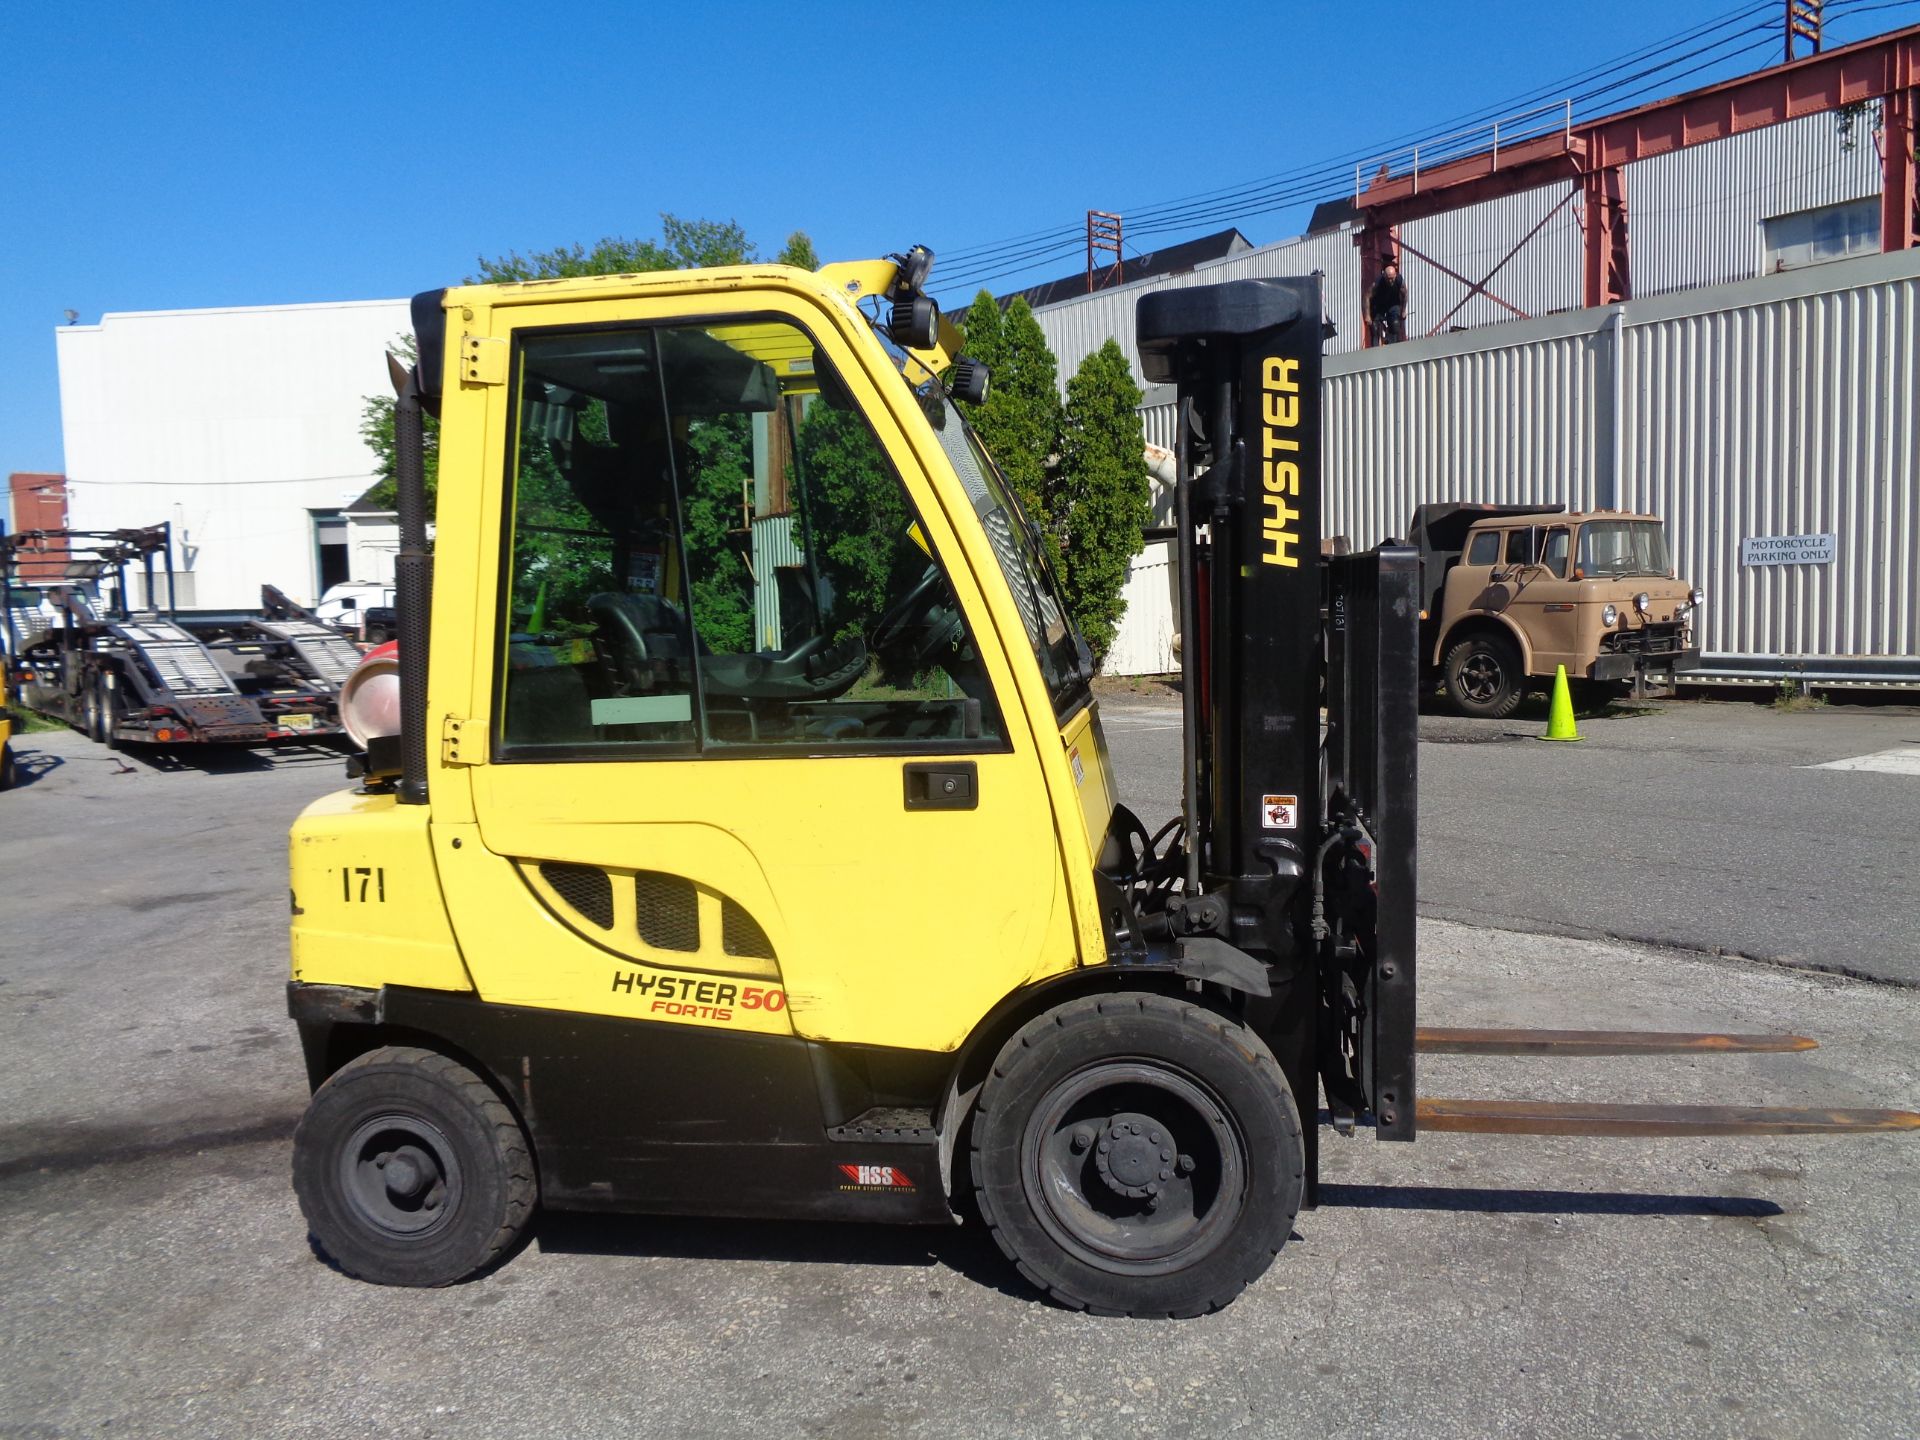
(1279, 812)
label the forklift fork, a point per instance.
(1579, 1117)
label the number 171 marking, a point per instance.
(370, 875)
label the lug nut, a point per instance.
(1186, 1164)
(1166, 1154)
(1082, 1138)
(1154, 1138)
(1166, 1174)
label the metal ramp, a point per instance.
(330, 655)
(182, 662)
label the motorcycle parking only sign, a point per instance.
(1788, 549)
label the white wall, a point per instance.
(234, 424)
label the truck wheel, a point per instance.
(112, 711)
(7, 775)
(410, 1170)
(1484, 677)
(1138, 1155)
(93, 714)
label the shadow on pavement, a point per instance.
(967, 1250)
(231, 759)
(1542, 1202)
(32, 765)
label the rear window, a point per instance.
(1485, 549)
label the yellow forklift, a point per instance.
(747, 844)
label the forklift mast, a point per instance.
(1301, 842)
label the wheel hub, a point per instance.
(407, 1171)
(400, 1176)
(1133, 1156)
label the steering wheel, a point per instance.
(916, 609)
(625, 657)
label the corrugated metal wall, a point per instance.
(1076, 328)
(1797, 415)
(1539, 277)
(1480, 420)
(1693, 217)
(1786, 405)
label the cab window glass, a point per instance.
(1485, 549)
(1553, 554)
(1520, 547)
(712, 553)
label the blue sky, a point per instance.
(168, 156)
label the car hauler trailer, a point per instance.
(774, 868)
(157, 676)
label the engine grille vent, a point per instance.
(740, 933)
(666, 911)
(585, 888)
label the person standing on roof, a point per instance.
(1387, 304)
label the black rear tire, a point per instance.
(112, 711)
(1484, 678)
(1135, 1154)
(92, 713)
(410, 1169)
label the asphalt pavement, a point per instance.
(157, 1280)
(1711, 826)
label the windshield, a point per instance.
(1064, 660)
(1624, 547)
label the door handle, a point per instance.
(938, 785)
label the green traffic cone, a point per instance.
(1560, 724)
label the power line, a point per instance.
(979, 265)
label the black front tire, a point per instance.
(1135, 1154)
(1484, 678)
(410, 1169)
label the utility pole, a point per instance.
(1103, 233)
(1803, 19)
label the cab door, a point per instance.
(1545, 597)
(754, 760)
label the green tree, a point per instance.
(798, 252)
(720, 474)
(856, 516)
(1021, 419)
(683, 244)
(376, 429)
(1103, 500)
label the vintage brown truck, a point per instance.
(1509, 592)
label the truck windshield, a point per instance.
(1064, 659)
(1624, 547)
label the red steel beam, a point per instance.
(1900, 187)
(1873, 69)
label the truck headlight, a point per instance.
(1696, 597)
(1643, 602)
(1610, 617)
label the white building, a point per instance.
(241, 428)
